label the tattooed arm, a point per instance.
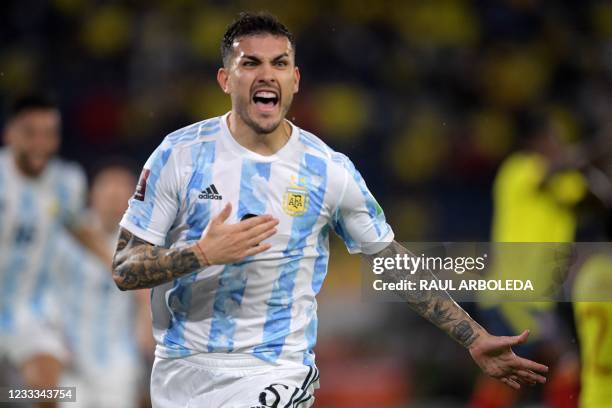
(138, 264)
(436, 306)
(492, 354)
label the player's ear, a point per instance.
(223, 79)
(296, 86)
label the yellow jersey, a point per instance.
(528, 210)
(594, 325)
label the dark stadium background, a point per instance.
(425, 97)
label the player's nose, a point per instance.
(266, 74)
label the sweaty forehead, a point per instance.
(262, 46)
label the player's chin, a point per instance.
(266, 122)
(34, 166)
(268, 127)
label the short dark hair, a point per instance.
(34, 101)
(252, 24)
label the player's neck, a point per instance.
(264, 144)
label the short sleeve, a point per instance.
(358, 218)
(153, 207)
(568, 187)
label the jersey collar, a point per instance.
(242, 151)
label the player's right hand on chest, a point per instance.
(228, 243)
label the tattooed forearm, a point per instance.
(436, 306)
(137, 264)
(463, 332)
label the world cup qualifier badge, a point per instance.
(141, 187)
(295, 201)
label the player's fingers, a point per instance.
(521, 380)
(510, 383)
(253, 222)
(260, 229)
(520, 339)
(223, 215)
(524, 381)
(257, 249)
(523, 363)
(261, 237)
(513, 382)
(531, 376)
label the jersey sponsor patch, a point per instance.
(141, 187)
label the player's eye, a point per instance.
(249, 63)
(281, 63)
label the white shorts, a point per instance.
(33, 336)
(116, 386)
(225, 382)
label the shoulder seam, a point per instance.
(319, 145)
(194, 127)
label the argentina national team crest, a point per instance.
(295, 201)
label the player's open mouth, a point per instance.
(265, 100)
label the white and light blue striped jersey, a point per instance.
(31, 212)
(265, 305)
(99, 321)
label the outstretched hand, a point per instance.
(495, 357)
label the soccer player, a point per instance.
(104, 328)
(535, 194)
(112, 186)
(593, 313)
(39, 194)
(229, 225)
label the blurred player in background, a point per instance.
(535, 194)
(593, 314)
(39, 196)
(234, 309)
(108, 333)
(112, 187)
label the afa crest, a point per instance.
(295, 201)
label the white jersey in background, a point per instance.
(99, 323)
(31, 213)
(265, 305)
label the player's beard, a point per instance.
(259, 129)
(28, 166)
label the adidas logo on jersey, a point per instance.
(210, 193)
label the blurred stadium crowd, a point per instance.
(426, 97)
